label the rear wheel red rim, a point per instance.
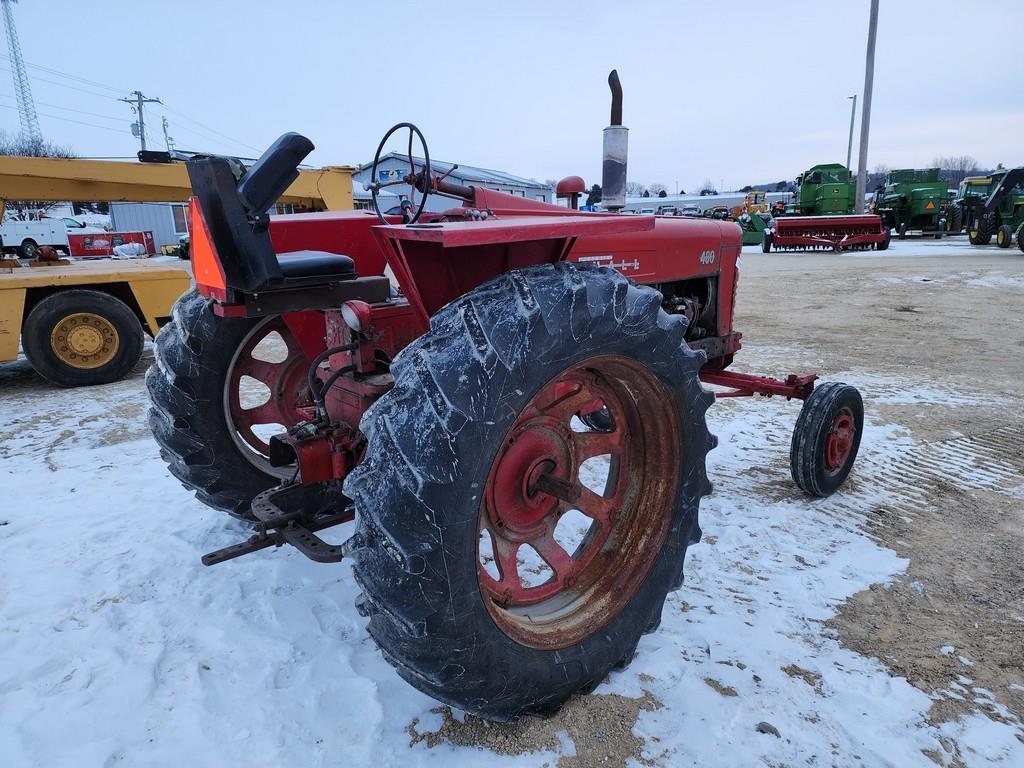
(289, 400)
(535, 479)
(839, 440)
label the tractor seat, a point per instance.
(318, 265)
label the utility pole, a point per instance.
(865, 112)
(137, 103)
(26, 106)
(167, 139)
(849, 146)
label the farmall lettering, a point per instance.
(607, 260)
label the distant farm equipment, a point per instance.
(1001, 212)
(913, 199)
(821, 216)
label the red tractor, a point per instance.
(458, 417)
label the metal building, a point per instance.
(395, 164)
(166, 221)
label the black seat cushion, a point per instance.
(311, 264)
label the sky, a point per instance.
(739, 92)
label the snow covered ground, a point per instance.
(118, 648)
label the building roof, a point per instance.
(468, 172)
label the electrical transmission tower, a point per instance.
(22, 89)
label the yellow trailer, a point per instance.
(83, 323)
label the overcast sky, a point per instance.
(743, 92)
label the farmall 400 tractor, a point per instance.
(459, 419)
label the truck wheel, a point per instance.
(1004, 236)
(78, 337)
(826, 438)
(28, 249)
(471, 464)
(208, 369)
(766, 242)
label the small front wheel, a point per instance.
(1004, 236)
(826, 438)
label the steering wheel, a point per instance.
(421, 180)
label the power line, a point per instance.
(65, 85)
(209, 129)
(71, 109)
(69, 120)
(70, 76)
(202, 127)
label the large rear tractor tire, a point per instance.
(956, 218)
(826, 438)
(207, 376)
(494, 578)
(980, 232)
(80, 337)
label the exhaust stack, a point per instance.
(616, 136)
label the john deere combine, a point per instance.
(821, 216)
(824, 189)
(913, 199)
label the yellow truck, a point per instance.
(83, 323)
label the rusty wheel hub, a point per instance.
(289, 399)
(541, 473)
(85, 340)
(839, 440)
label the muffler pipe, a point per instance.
(616, 139)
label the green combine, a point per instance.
(913, 199)
(824, 189)
(1001, 212)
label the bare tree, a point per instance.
(956, 169)
(635, 189)
(876, 178)
(657, 189)
(19, 146)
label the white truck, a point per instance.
(25, 237)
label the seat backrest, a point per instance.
(273, 173)
(242, 241)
